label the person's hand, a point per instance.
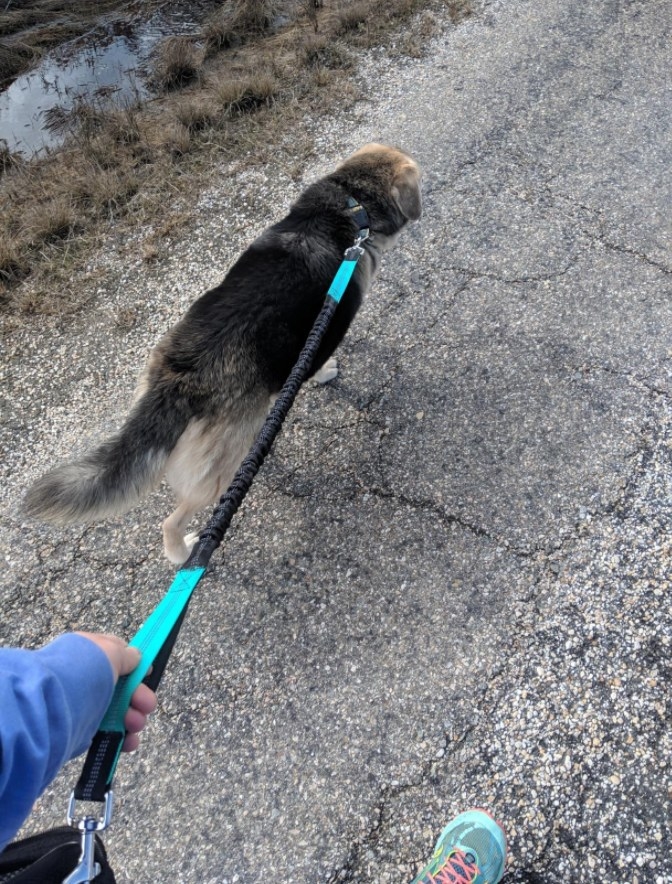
(123, 660)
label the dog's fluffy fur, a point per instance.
(207, 386)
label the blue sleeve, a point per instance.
(51, 703)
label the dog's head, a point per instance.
(385, 173)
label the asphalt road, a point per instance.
(449, 584)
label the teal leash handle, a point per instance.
(149, 640)
(152, 639)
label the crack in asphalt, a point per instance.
(599, 215)
(515, 280)
(384, 810)
(633, 253)
(640, 459)
(390, 793)
(427, 505)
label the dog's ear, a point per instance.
(406, 191)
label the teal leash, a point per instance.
(156, 637)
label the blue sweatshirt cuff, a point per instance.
(51, 703)
(86, 679)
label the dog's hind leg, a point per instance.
(176, 546)
(202, 465)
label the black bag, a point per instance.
(48, 858)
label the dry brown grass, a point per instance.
(246, 94)
(196, 114)
(175, 140)
(179, 63)
(51, 221)
(353, 17)
(322, 52)
(107, 191)
(238, 22)
(127, 165)
(7, 158)
(14, 59)
(122, 126)
(14, 264)
(458, 10)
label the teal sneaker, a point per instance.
(470, 850)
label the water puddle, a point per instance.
(108, 66)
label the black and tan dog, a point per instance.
(208, 383)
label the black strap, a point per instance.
(93, 782)
(359, 213)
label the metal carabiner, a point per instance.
(355, 251)
(87, 869)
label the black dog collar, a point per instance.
(360, 216)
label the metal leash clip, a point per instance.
(87, 869)
(355, 251)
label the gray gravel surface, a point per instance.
(449, 585)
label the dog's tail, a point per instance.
(113, 477)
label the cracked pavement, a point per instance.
(448, 584)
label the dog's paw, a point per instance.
(179, 553)
(328, 372)
(176, 555)
(191, 540)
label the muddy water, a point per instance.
(107, 66)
